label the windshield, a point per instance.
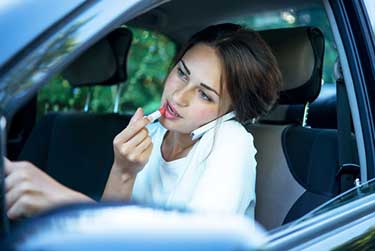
(355, 193)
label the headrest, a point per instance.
(299, 53)
(104, 63)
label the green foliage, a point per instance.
(364, 242)
(149, 58)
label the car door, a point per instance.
(28, 59)
(348, 221)
(357, 46)
(319, 231)
(345, 221)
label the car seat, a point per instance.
(76, 148)
(297, 166)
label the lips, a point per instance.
(170, 112)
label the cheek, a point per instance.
(202, 116)
(169, 86)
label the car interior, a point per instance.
(298, 159)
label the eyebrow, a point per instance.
(186, 69)
(202, 84)
(209, 88)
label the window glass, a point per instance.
(149, 58)
(370, 5)
(315, 17)
(365, 189)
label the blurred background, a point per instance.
(150, 59)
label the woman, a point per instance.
(222, 68)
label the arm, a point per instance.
(29, 190)
(119, 185)
(132, 149)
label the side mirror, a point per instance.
(118, 226)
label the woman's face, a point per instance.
(192, 93)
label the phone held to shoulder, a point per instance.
(197, 133)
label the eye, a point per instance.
(204, 96)
(182, 75)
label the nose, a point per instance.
(182, 96)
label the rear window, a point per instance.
(315, 17)
(149, 59)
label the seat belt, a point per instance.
(348, 170)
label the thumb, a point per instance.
(137, 115)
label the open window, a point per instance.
(319, 204)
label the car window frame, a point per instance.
(357, 192)
(355, 82)
(322, 225)
(361, 209)
(77, 32)
(38, 81)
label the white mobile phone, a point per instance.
(197, 133)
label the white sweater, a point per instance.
(217, 175)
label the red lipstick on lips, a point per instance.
(163, 109)
(157, 114)
(170, 112)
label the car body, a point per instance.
(60, 32)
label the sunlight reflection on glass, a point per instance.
(137, 225)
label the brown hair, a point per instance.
(250, 69)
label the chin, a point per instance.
(174, 127)
(168, 124)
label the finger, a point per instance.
(11, 197)
(131, 130)
(12, 180)
(18, 209)
(137, 139)
(145, 155)
(140, 148)
(137, 115)
(16, 166)
(16, 177)
(128, 149)
(16, 194)
(6, 160)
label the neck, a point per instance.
(176, 145)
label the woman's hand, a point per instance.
(133, 146)
(132, 149)
(29, 190)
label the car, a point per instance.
(316, 148)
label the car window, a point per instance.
(370, 5)
(322, 115)
(315, 17)
(149, 58)
(353, 194)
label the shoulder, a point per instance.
(233, 133)
(230, 138)
(233, 127)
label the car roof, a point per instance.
(178, 19)
(25, 21)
